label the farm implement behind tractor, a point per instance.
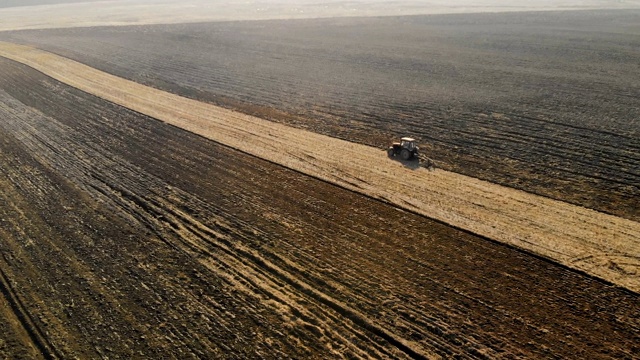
(408, 152)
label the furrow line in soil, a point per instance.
(36, 334)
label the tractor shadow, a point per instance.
(415, 163)
(412, 164)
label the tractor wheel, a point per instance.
(405, 154)
(390, 152)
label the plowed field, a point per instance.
(545, 102)
(600, 244)
(124, 237)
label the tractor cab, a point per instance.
(408, 143)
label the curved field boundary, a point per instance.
(599, 244)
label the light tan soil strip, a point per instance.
(602, 245)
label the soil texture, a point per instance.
(123, 237)
(545, 102)
(600, 244)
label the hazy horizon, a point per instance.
(39, 14)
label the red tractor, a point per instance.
(406, 148)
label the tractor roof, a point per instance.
(408, 139)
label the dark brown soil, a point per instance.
(545, 102)
(124, 237)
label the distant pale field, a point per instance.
(132, 12)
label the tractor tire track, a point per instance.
(36, 335)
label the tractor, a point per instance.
(406, 148)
